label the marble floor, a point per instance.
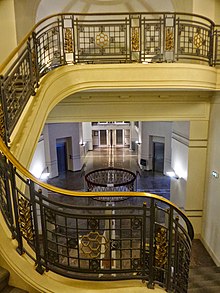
(124, 158)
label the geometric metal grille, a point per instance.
(17, 89)
(217, 46)
(86, 240)
(48, 49)
(102, 40)
(115, 244)
(194, 40)
(152, 38)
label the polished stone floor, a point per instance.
(124, 158)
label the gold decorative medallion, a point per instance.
(198, 40)
(102, 40)
(94, 244)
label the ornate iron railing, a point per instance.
(101, 38)
(144, 237)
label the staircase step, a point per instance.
(204, 279)
(213, 289)
(4, 287)
(10, 289)
(4, 277)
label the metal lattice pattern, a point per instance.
(17, 89)
(141, 239)
(152, 39)
(102, 41)
(48, 49)
(102, 38)
(114, 244)
(194, 40)
(217, 47)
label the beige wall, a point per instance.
(211, 220)
(25, 12)
(205, 8)
(8, 37)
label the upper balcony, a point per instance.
(65, 39)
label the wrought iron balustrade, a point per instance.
(144, 237)
(69, 38)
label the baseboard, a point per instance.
(211, 253)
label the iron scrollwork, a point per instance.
(25, 219)
(161, 244)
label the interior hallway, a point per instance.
(118, 157)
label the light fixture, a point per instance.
(172, 174)
(215, 174)
(44, 176)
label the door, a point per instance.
(119, 137)
(102, 137)
(61, 157)
(158, 157)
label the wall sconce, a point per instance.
(172, 174)
(137, 142)
(215, 174)
(45, 174)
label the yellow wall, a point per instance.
(7, 28)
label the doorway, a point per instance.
(103, 137)
(158, 157)
(119, 137)
(61, 157)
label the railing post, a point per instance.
(176, 254)
(3, 113)
(170, 243)
(18, 234)
(35, 66)
(30, 61)
(39, 267)
(144, 249)
(150, 284)
(211, 46)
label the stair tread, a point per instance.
(213, 289)
(4, 277)
(4, 274)
(204, 279)
(10, 289)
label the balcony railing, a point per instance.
(101, 38)
(142, 236)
